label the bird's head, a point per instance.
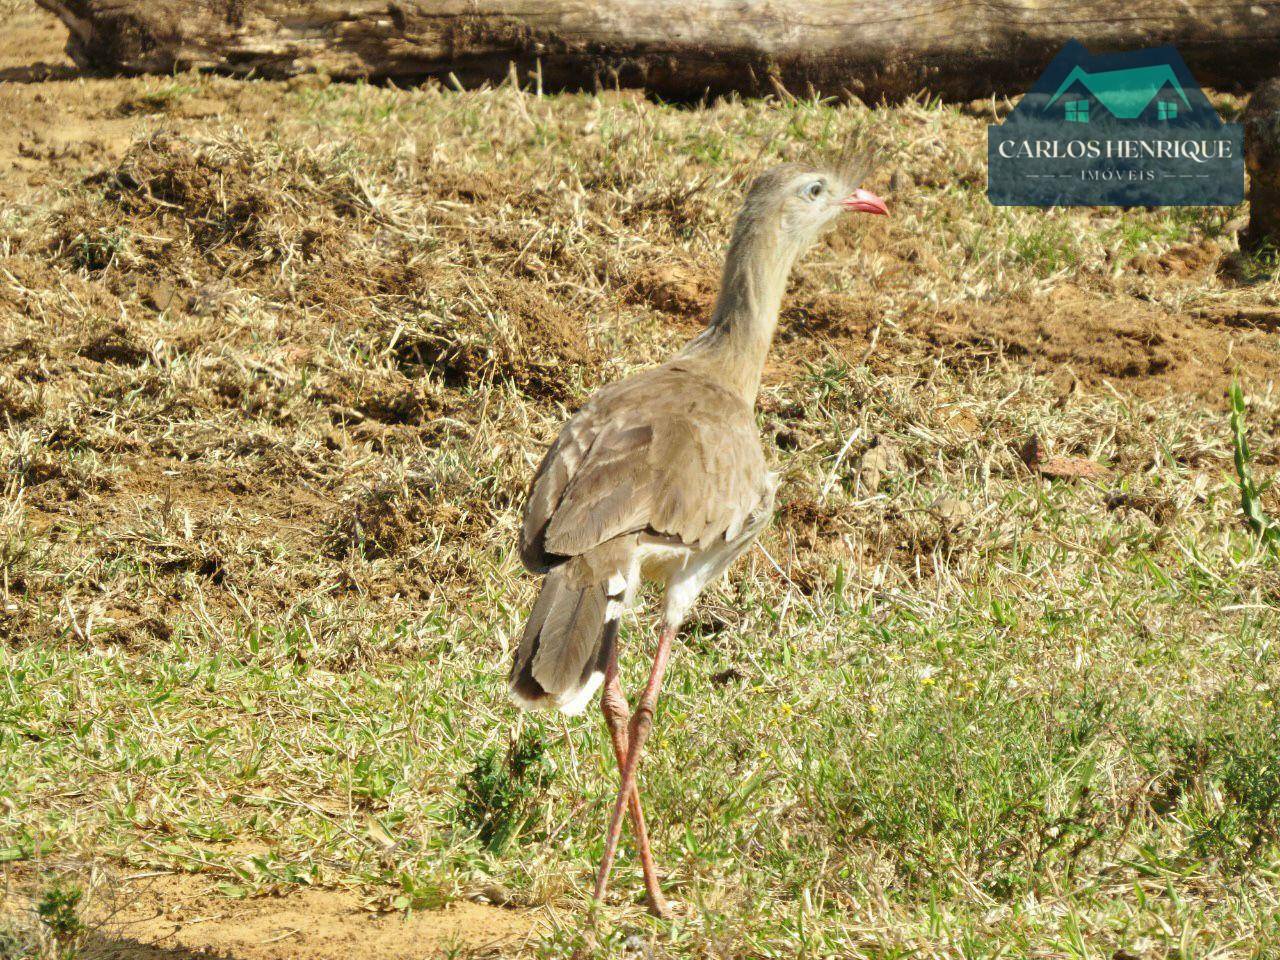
(794, 203)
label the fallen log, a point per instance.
(680, 49)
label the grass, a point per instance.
(499, 794)
(274, 385)
(1250, 493)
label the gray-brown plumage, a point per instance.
(665, 458)
(662, 476)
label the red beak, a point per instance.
(864, 201)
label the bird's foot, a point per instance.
(657, 905)
(660, 907)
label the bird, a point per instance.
(661, 477)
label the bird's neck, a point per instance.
(733, 348)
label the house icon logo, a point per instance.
(1121, 129)
(1123, 94)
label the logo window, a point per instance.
(1166, 110)
(1077, 111)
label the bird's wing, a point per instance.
(664, 451)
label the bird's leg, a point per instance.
(616, 716)
(641, 723)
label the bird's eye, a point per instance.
(814, 190)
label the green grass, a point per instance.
(1250, 493)
(1047, 248)
(500, 793)
(1259, 265)
(1060, 740)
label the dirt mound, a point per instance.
(676, 289)
(398, 511)
(171, 197)
(505, 328)
(1069, 335)
(1073, 334)
(178, 217)
(218, 191)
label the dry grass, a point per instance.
(275, 377)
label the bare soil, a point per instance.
(1088, 335)
(180, 916)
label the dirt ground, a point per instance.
(59, 131)
(171, 917)
(181, 916)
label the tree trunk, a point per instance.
(681, 49)
(1262, 157)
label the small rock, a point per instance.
(163, 296)
(1071, 468)
(785, 437)
(952, 512)
(1035, 456)
(200, 108)
(882, 458)
(721, 677)
(496, 894)
(308, 81)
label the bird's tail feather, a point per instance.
(566, 645)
